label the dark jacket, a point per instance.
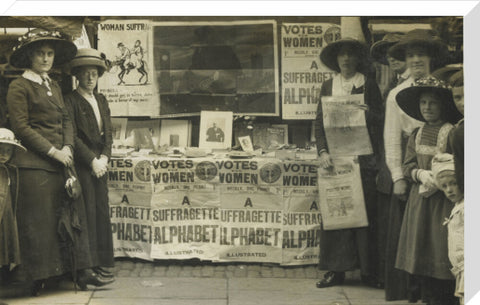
(39, 121)
(90, 142)
(374, 118)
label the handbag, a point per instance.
(72, 185)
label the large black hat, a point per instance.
(379, 49)
(65, 49)
(408, 98)
(329, 54)
(434, 46)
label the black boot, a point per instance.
(88, 277)
(331, 278)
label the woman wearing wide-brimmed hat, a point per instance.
(348, 249)
(40, 120)
(420, 49)
(93, 146)
(422, 248)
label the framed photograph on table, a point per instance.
(119, 130)
(152, 126)
(216, 129)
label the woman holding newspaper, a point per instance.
(348, 249)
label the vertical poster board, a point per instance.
(129, 85)
(301, 215)
(251, 210)
(130, 193)
(302, 71)
(185, 209)
(220, 66)
(341, 195)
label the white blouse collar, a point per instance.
(405, 74)
(34, 77)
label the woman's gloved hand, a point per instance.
(426, 178)
(63, 156)
(99, 167)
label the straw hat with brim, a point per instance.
(7, 137)
(65, 50)
(445, 73)
(409, 99)
(379, 49)
(88, 57)
(426, 39)
(329, 54)
(456, 80)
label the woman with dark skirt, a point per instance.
(40, 120)
(349, 249)
(423, 243)
(93, 145)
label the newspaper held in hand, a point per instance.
(345, 125)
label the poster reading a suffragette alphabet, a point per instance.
(129, 83)
(345, 125)
(221, 66)
(130, 195)
(301, 214)
(186, 229)
(185, 208)
(341, 195)
(302, 71)
(251, 210)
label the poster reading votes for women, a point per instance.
(222, 66)
(345, 125)
(341, 195)
(301, 214)
(129, 83)
(302, 71)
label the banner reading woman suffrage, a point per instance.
(129, 84)
(302, 72)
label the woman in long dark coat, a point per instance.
(349, 249)
(93, 145)
(40, 120)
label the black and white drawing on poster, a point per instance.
(128, 84)
(216, 129)
(217, 66)
(345, 125)
(302, 71)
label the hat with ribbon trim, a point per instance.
(64, 48)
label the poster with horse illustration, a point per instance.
(128, 83)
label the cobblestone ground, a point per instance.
(130, 267)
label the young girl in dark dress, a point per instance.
(422, 248)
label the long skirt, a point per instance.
(349, 249)
(43, 254)
(396, 281)
(423, 246)
(9, 246)
(95, 195)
